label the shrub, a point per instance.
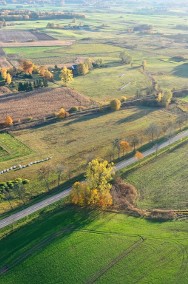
(115, 105)
(73, 109)
(62, 113)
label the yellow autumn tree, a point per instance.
(125, 147)
(4, 73)
(9, 79)
(96, 190)
(8, 120)
(115, 105)
(66, 75)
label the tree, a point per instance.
(66, 75)
(166, 98)
(8, 120)
(9, 79)
(139, 155)
(116, 145)
(44, 176)
(95, 191)
(153, 130)
(144, 64)
(125, 147)
(59, 170)
(125, 57)
(62, 113)
(134, 141)
(115, 105)
(27, 66)
(4, 73)
(83, 69)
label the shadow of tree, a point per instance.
(135, 116)
(181, 70)
(38, 234)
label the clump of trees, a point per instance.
(96, 190)
(14, 189)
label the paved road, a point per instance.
(50, 200)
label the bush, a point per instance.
(115, 105)
(73, 109)
(62, 113)
(161, 215)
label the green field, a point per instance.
(87, 247)
(162, 183)
(11, 148)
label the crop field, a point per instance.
(22, 36)
(11, 148)
(162, 183)
(38, 104)
(96, 248)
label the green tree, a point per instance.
(166, 98)
(125, 58)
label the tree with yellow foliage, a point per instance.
(9, 79)
(4, 73)
(8, 120)
(66, 75)
(27, 66)
(115, 105)
(125, 147)
(95, 191)
(62, 113)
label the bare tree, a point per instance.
(153, 131)
(59, 171)
(44, 176)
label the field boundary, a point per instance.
(115, 261)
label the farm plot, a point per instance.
(5, 63)
(17, 36)
(102, 248)
(11, 148)
(38, 104)
(162, 183)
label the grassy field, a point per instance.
(72, 143)
(11, 148)
(162, 183)
(87, 247)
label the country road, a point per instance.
(50, 200)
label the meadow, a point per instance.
(11, 148)
(162, 182)
(73, 245)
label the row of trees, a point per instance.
(30, 86)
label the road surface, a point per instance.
(50, 200)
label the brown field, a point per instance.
(39, 104)
(4, 63)
(15, 38)
(4, 90)
(37, 43)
